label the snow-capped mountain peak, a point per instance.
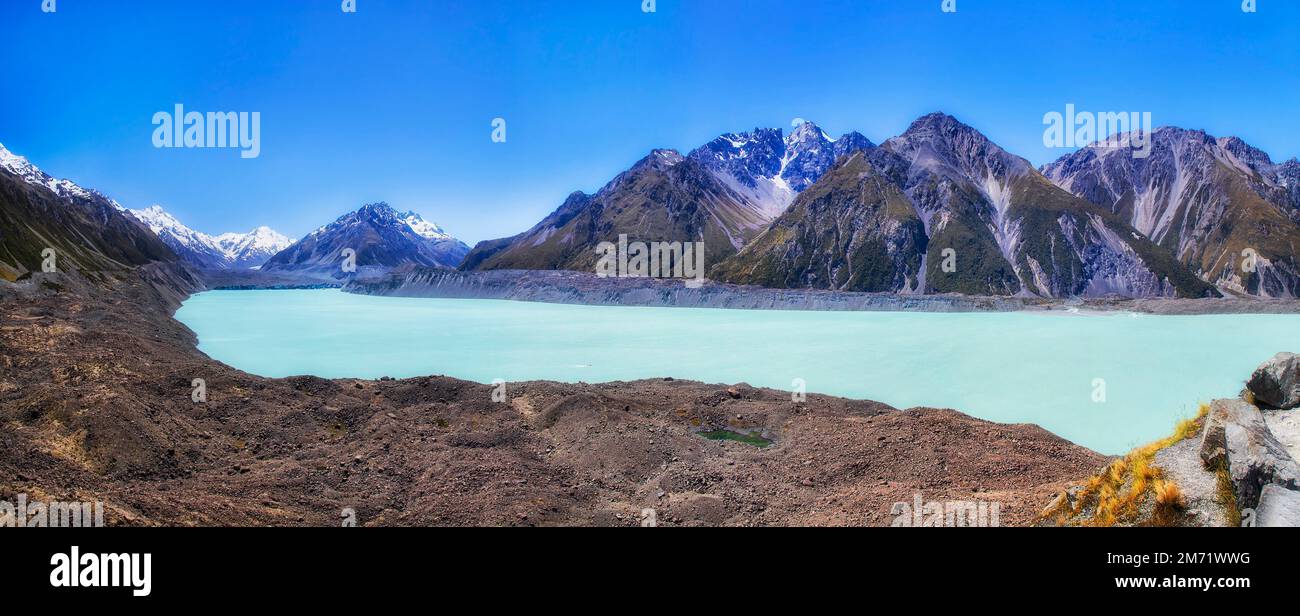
(382, 238)
(33, 175)
(808, 132)
(252, 249)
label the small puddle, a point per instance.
(728, 435)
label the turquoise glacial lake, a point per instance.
(1043, 368)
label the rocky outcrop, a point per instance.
(1237, 436)
(1276, 384)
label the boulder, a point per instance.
(1255, 456)
(1278, 506)
(1277, 383)
(1235, 432)
(1214, 447)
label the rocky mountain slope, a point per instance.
(225, 251)
(382, 239)
(1206, 200)
(663, 197)
(87, 230)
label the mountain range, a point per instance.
(939, 208)
(91, 232)
(809, 211)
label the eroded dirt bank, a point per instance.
(95, 402)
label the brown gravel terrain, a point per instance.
(95, 404)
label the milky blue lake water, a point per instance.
(1007, 367)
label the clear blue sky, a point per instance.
(395, 102)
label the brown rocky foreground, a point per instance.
(95, 405)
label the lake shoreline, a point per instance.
(565, 287)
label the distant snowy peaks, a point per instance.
(262, 240)
(225, 251)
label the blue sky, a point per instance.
(395, 102)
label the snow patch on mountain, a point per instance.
(769, 169)
(424, 228)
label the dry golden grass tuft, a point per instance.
(1130, 485)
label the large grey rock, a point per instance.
(1278, 506)
(1277, 382)
(1214, 446)
(1255, 456)
(1235, 431)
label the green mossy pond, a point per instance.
(728, 435)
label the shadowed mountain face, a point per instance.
(381, 237)
(87, 231)
(941, 208)
(1210, 202)
(664, 197)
